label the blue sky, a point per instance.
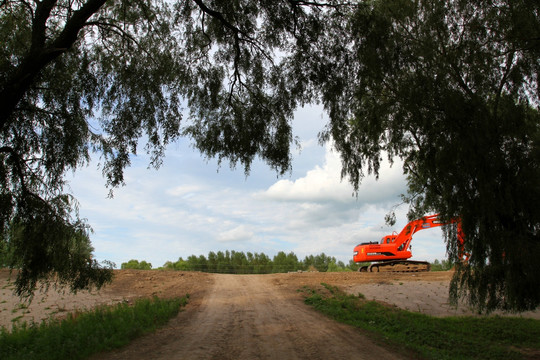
(193, 206)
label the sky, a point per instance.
(191, 206)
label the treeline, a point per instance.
(236, 262)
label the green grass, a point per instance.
(83, 334)
(430, 337)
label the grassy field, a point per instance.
(83, 334)
(430, 337)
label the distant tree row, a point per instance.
(235, 262)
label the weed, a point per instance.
(330, 288)
(15, 319)
(20, 306)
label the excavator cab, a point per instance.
(388, 239)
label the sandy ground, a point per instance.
(127, 285)
(246, 316)
(423, 293)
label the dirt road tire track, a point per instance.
(250, 317)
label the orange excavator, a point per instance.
(393, 250)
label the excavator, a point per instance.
(393, 250)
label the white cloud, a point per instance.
(320, 184)
(184, 191)
(324, 184)
(239, 233)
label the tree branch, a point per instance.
(508, 68)
(40, 55)
(219, 16)
(43, 11)
(318, 4)
(18, 167)
(236, 31)
(239, 36)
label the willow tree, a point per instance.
(103, 77)
(452, 89)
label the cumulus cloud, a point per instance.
(324, 184)
(320, 184)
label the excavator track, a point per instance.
(397, 266)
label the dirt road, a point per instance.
(252, 317)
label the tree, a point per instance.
(285, 262)
(135, 264)
(212, 262)
(443, 265)
(195, 263)
(354, 266)
(95, 76)
(179, 265)
(261, 264)
(320, 262)
(452, 89)
(239, 263)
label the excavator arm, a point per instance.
(405, 236)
